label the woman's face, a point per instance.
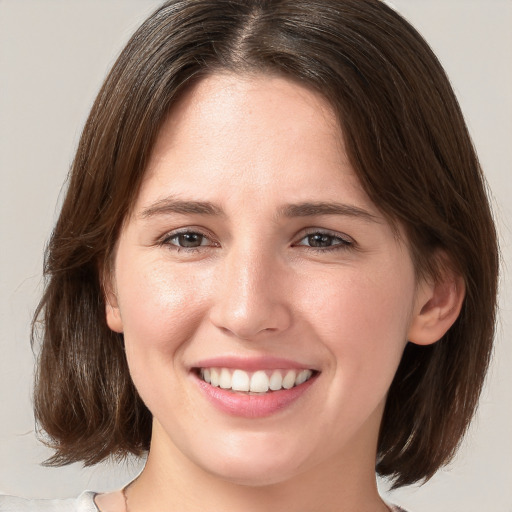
(253, 259)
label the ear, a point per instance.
(438, 304)
(112, 313)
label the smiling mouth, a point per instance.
(258, 382)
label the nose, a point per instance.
(252, 297)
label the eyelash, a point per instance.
(341, 242)
(167, 240)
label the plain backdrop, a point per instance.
(54, 55)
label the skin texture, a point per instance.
(251, 146)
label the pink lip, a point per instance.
(252, 364)
(252, 405)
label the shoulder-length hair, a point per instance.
(408, 144)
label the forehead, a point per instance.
(253, 131)
(252, 106)
(226, 95)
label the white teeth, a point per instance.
(276, 381)
(260, 381)
(303, 376)
(240, 381)
(225, 379)
(289, 379)
(214, 376)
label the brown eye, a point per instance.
(187, 239)
(190, 239)
(321, 240)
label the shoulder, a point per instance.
(84, 503)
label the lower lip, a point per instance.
(255, 405)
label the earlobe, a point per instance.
(114, 320)
(112, 313)
(438, 307)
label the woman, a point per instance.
(274, 257)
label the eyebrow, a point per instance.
(171, 205)
(322, 208)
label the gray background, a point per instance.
(53, 57)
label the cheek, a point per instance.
(160, 307)
(363, 317)
(366, 300)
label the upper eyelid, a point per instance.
(322, 231)
(179, 231)
(297, 238)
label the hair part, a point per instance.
(408, 144)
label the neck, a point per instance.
(170, 482)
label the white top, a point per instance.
(84, 503)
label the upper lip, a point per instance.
(252, 363)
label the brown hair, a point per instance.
(407, 142)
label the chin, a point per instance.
(262, 465)
(250, 475)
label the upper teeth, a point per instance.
(259, 382)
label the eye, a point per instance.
(321, 240)
(187, 240)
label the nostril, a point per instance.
(246, 333)
(253, 324)
(248, 303)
